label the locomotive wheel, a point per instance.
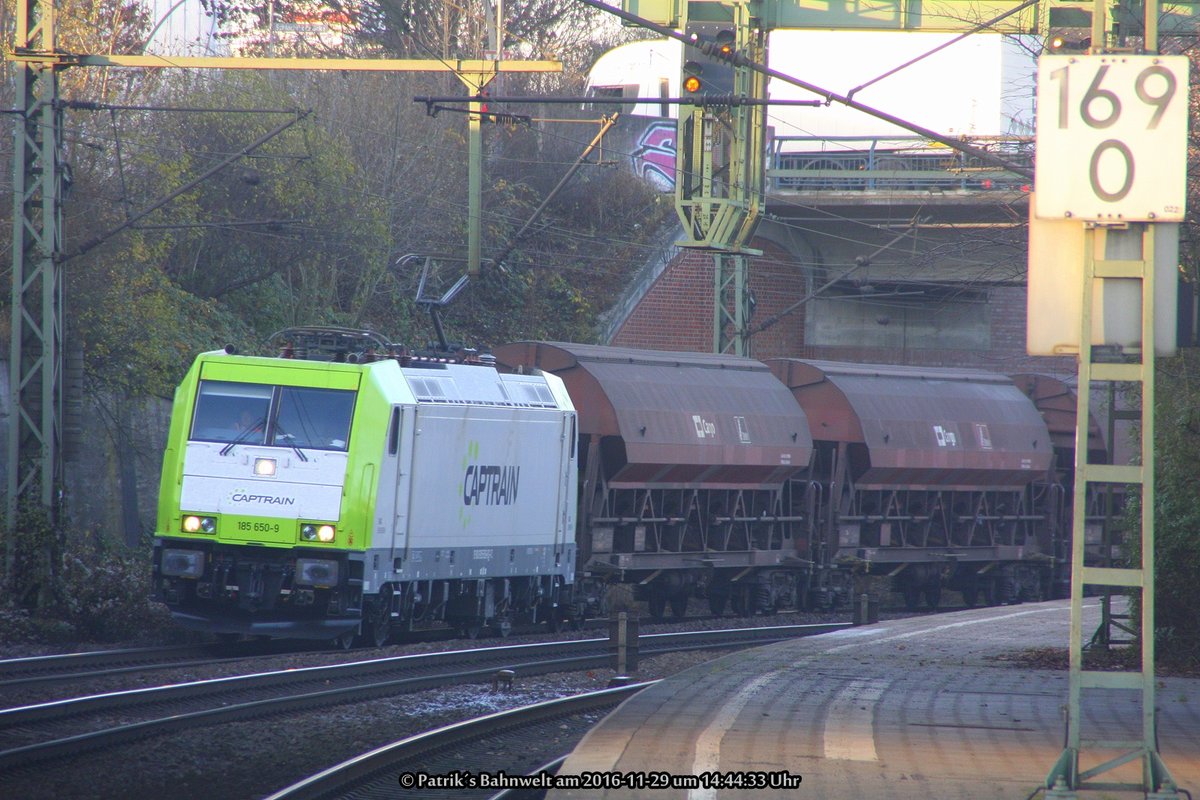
(679, 603)
(657, 604)
(378, 627)
(502, 627)
(970, 596)
(470, 630)
(343, 642)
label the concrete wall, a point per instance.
(939, 311)
(112, 481)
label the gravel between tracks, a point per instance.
(252, 759)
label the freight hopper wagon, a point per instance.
(1103, 536)
(686, 467)
(347, 489)
(934, 477)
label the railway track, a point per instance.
(40, 669)
(59, 729)
(506, 742)
(68, 669)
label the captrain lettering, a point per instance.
(240, 497)
(490, 485)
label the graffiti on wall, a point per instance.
(654, 155)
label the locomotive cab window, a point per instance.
(232, 412)
(313, 418)
(285, 416)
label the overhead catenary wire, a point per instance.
(134, 218)
(554, 231)
(738, 59)
(559, 232)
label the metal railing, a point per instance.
(892, 163)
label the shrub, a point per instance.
(106, 591)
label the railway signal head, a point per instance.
(693, 77)
(723, 46)
(1062, 41)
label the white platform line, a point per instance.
(850, 722)
(708, 744)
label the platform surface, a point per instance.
(924, 708)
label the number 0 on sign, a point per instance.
(1112, 138)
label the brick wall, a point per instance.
(676, 313)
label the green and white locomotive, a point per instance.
(347, 488)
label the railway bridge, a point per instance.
(882, 248)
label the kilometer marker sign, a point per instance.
(1111, 138)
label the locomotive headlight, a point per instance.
(196, 524)
(316, 572)
(184, 563)
(312, 532)
(264, 467)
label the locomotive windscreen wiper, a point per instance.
(254, 427)
(290, 440)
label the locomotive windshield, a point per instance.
(287, 416)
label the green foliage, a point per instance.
(106, 591)
(303, 239)
(139, 331)
(35, 546)
(1177, 510)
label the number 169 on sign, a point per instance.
(1112, 138)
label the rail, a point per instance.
(414, 751)
(251, 696)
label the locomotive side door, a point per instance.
(567, 499)
(401, 434)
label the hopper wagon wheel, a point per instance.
(471, 628)
(657, 603)
(679, 604)
(970, 595)
(912, 597)
(502, 626)
(718, 598)
(343, 642)
(740, 600)
(989, 593)
(933, 596)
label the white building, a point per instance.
(980, 86)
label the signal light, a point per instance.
(724, 45)
(692, 82)
(1068, 41)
